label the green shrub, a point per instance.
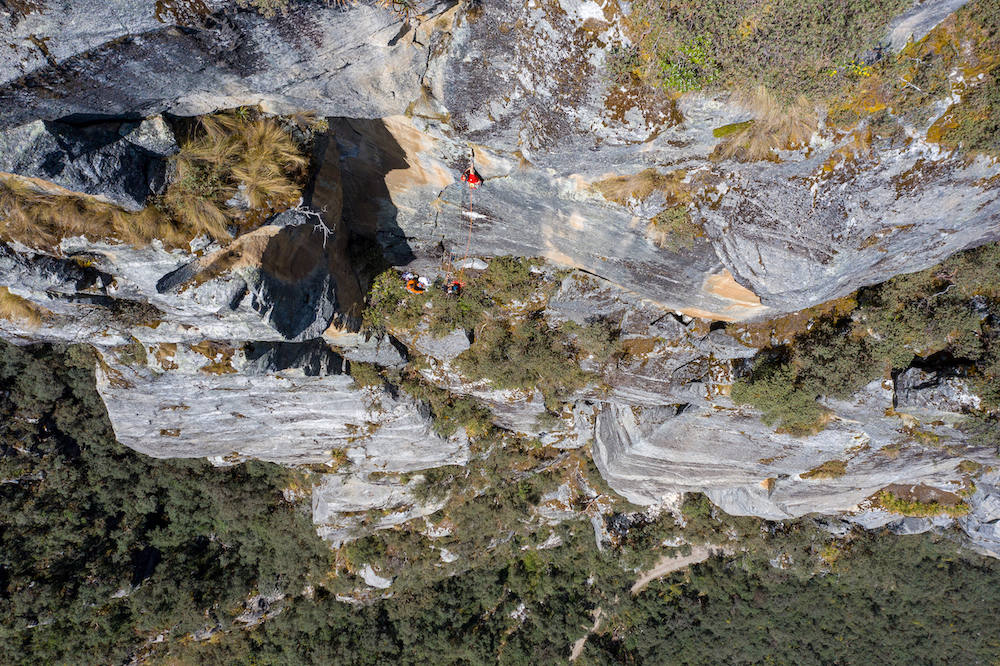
(508, 282)
(908, 507)
(691, 66)
(525, 356)
(600, 339)
(772, 389)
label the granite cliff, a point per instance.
(244, 348)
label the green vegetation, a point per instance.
(672, 229)
(772, 388)
(912, 507)
(508, 285)
(599, 339)
(900, 596)
(449, 411)
(789, 46)
(514, 346)
(950, 309)
(806, 54)
(268, 8)
(691, 66)
(527, 356)
(623, 63)
(365, 374)
(271, 8)
(974, 124)
(102, 548)
(837, 600)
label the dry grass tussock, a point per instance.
(234, 153)
(621, 189)
(229, 153)
(775, 126)
(15, 308)
(41, 219)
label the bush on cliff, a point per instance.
(951, 309)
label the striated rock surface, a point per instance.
(282, 402)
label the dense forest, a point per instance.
(110, 556)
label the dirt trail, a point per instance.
(578, 645)
(670, 564)
(663, 567)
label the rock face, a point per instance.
(239, 352)
(96, 58)
(526, 85)
(121, 162)
(203, 400)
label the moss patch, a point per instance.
(831, 469)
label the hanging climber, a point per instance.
(472, 178)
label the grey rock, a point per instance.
(920, 20)
(121, 162)
(373, 579)
(872, 519)
(913, 525)
(928, 394)
(129, 57)
(982, 524)
(380, 350)
(270, 402)
(646, 454)
(445, 348)
(338, 498)
(796, 237)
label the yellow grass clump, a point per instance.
(15, 308)
(640, 185)
(41, 219)
(775, 126)
(234, 151)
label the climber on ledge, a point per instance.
(453, 288)
(414, 284)
(472, 178)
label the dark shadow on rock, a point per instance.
(313, 357)
(368, 152)
(297, 291)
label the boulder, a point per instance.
(927, 394)
(121, 162)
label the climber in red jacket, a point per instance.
(472, 178)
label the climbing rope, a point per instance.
(468, 241)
